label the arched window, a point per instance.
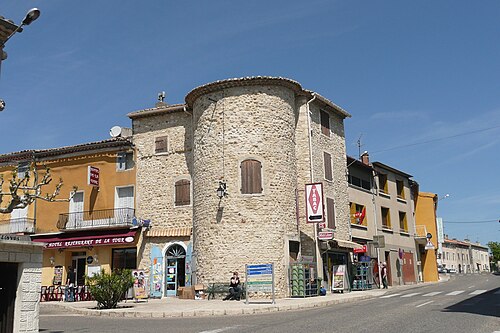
(182, 192)
(251, 177)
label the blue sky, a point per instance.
(408, 72)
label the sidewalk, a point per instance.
(174, 307)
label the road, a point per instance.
(463, 304)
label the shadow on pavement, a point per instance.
(486, 304)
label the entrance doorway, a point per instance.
(174, 269)
(8, 289)
(78, 262)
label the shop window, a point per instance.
(251, 177)
(327, 159)
(182, 192)
(325, 123)
(401, 189)
(382, 183)
(124, 161)
(358, 214)
(386, 218)
(330, 213)
(403, 224)
(161, 144)
(124, 258)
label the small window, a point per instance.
(386, 218)
(124, 161)
(183, 192)
(327, 158)
(401, 189)
(330, 213)
(23, 169)
(251, 177)
(366, 184)
(124, 258)
(403, 224)
(382, 179)
(325, 123)
(358, 214)
(161, 144)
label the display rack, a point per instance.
(303, 280)
(363, 276)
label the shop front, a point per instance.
(87, 253)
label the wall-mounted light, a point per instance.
(52, 261)
(222, 190)
(96, 258)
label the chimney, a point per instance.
(365, 158)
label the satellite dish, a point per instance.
(115, 131)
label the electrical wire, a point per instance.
(484, 221)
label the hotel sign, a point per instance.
(89, 242)
(93, 176)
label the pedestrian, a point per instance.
(384, 274)
(70, 285)
(234, 288)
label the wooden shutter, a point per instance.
(161, 144)
(328, 166)
(251, 177)
(182, 192)
(325, 123)
(330, 213)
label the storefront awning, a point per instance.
(66, 240)
(169, 232)
(348, 244)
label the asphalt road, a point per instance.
(463, 304)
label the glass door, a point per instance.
(171, 278)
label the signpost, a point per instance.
(314, 203)
(259, 278)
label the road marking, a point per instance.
(471, 287)
(454, 293)
(219, 329)
(410, 295)
(477, 292)
(389, 296)
(432, 294)
(424, 303)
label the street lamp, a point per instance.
(9, 29)
(222, 190)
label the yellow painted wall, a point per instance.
(425, 214)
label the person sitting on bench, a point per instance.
(234, 288)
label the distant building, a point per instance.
(464, 256)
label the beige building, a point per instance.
(258, 140)
(381, 205)
(464, 256)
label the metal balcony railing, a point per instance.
(96, 219)
(15, 226)
(420, 231)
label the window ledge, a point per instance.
(385, 229)
(359, 226)
(402, 200)
(404, 233)
(383, 194)
(360, 188)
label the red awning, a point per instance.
(69, 240)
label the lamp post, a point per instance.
(9, 29)
(222, 190)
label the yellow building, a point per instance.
(95, 229)
(425, 223)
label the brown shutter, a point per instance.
(251, 177)
(182, 192)
(328, 166)
(161, 144)
(330, 213)
(325, 123)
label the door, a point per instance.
(174, 269)
(124, 204)
(8, 289)
(408, 268)
(75, 211)
(79, 264)
(171, 277)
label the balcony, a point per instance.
(119, 217)
(15, 226)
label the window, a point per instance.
(124, 161)
(251, 177)
(161, 144)
(23, 169)
(401, 189)
(327, 159)
(330, 213)
(386, 218)
(182, 192)
(359, 182)
(382, 183)
(403, 224)
(124, 197)
(325, 123)
(124, 258)
(358, 214)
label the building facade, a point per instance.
(259, 140)
(425, 219)
(464, 256)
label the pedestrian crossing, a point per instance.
(435, 293)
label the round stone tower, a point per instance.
(243, 135)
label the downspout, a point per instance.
(376, 228)
(193, 253)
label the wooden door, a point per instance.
(408, 268)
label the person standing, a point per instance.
(384, 274)
(70, 285)
(234, 288)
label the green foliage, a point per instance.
(495, 252)
(109, 289)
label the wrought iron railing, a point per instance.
(420, 231)
(96, 218)
(15, 226)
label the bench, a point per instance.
(220, 290)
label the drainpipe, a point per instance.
(376, 230)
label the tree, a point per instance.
(23, 191)
(109, 288)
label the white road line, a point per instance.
(389, 296)
(477, 292)
(424, 304)
(410, 295)
(219, 329)
(433, 294)
(454, 293)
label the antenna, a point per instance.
(359, 145)
(161, 96)
(115, 131)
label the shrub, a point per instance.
(109, 288)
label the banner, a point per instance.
(139, 284)
(339, 277)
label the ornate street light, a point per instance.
(222, 190)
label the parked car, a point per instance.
(441, 269)
(451, 270)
